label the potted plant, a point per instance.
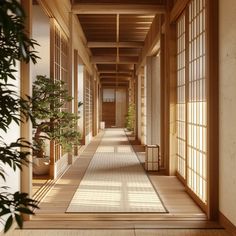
(130, 118)
(51, 120)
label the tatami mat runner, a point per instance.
(115, 181)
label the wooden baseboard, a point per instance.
(227, 224)
(180, 178)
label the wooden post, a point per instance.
(52, 68)
(170, 94)
(26, 88)
(212, 108)
(71, 78)
(76, 91)
(162, 97)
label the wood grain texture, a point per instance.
(183, 212)
(109, 113)
(123, 232)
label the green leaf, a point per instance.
(8, 223)
(25, 210)
(19, 220)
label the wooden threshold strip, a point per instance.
(168, 224)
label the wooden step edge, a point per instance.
(129, 218)
(109, 215)
(47, 224)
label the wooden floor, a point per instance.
(183, 212)
(131, 232)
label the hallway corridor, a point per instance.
(117, 117)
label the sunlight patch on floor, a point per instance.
(115, 181)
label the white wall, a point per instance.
(153, 100)
(227, 76)
(41, 33)
(12, 134)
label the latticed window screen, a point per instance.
(197, 111)
(181, 98)
(64, 59)
(143, 109)
(88, 104)
(60, 68)
(192, 119)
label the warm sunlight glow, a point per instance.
(124, 149)
(115, 181)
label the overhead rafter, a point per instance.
(114, 71)
(112, 60)
(83, 8)
(114, 44)
(113, 79)
(178, 8)
(114, 76)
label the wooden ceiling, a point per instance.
(115, 32)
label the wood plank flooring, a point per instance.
(183, 212)
(133, 232)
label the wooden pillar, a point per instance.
(212, 65)
(76, 111)
(170, 94)
(52, 67)
(95, 105)
(26, 88)
(71, 76)
(137, 107)
(162, 97)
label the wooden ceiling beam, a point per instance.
(114, 71)
(106, 23)
(114, 44)
(113, 79)
(178, 8)
(115, 76)
(123, 54)
(115, 83)
(83, 8)
(112, 60)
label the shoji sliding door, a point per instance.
(197, 110)
(181, 98)
(59, 71)
(191, 99)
